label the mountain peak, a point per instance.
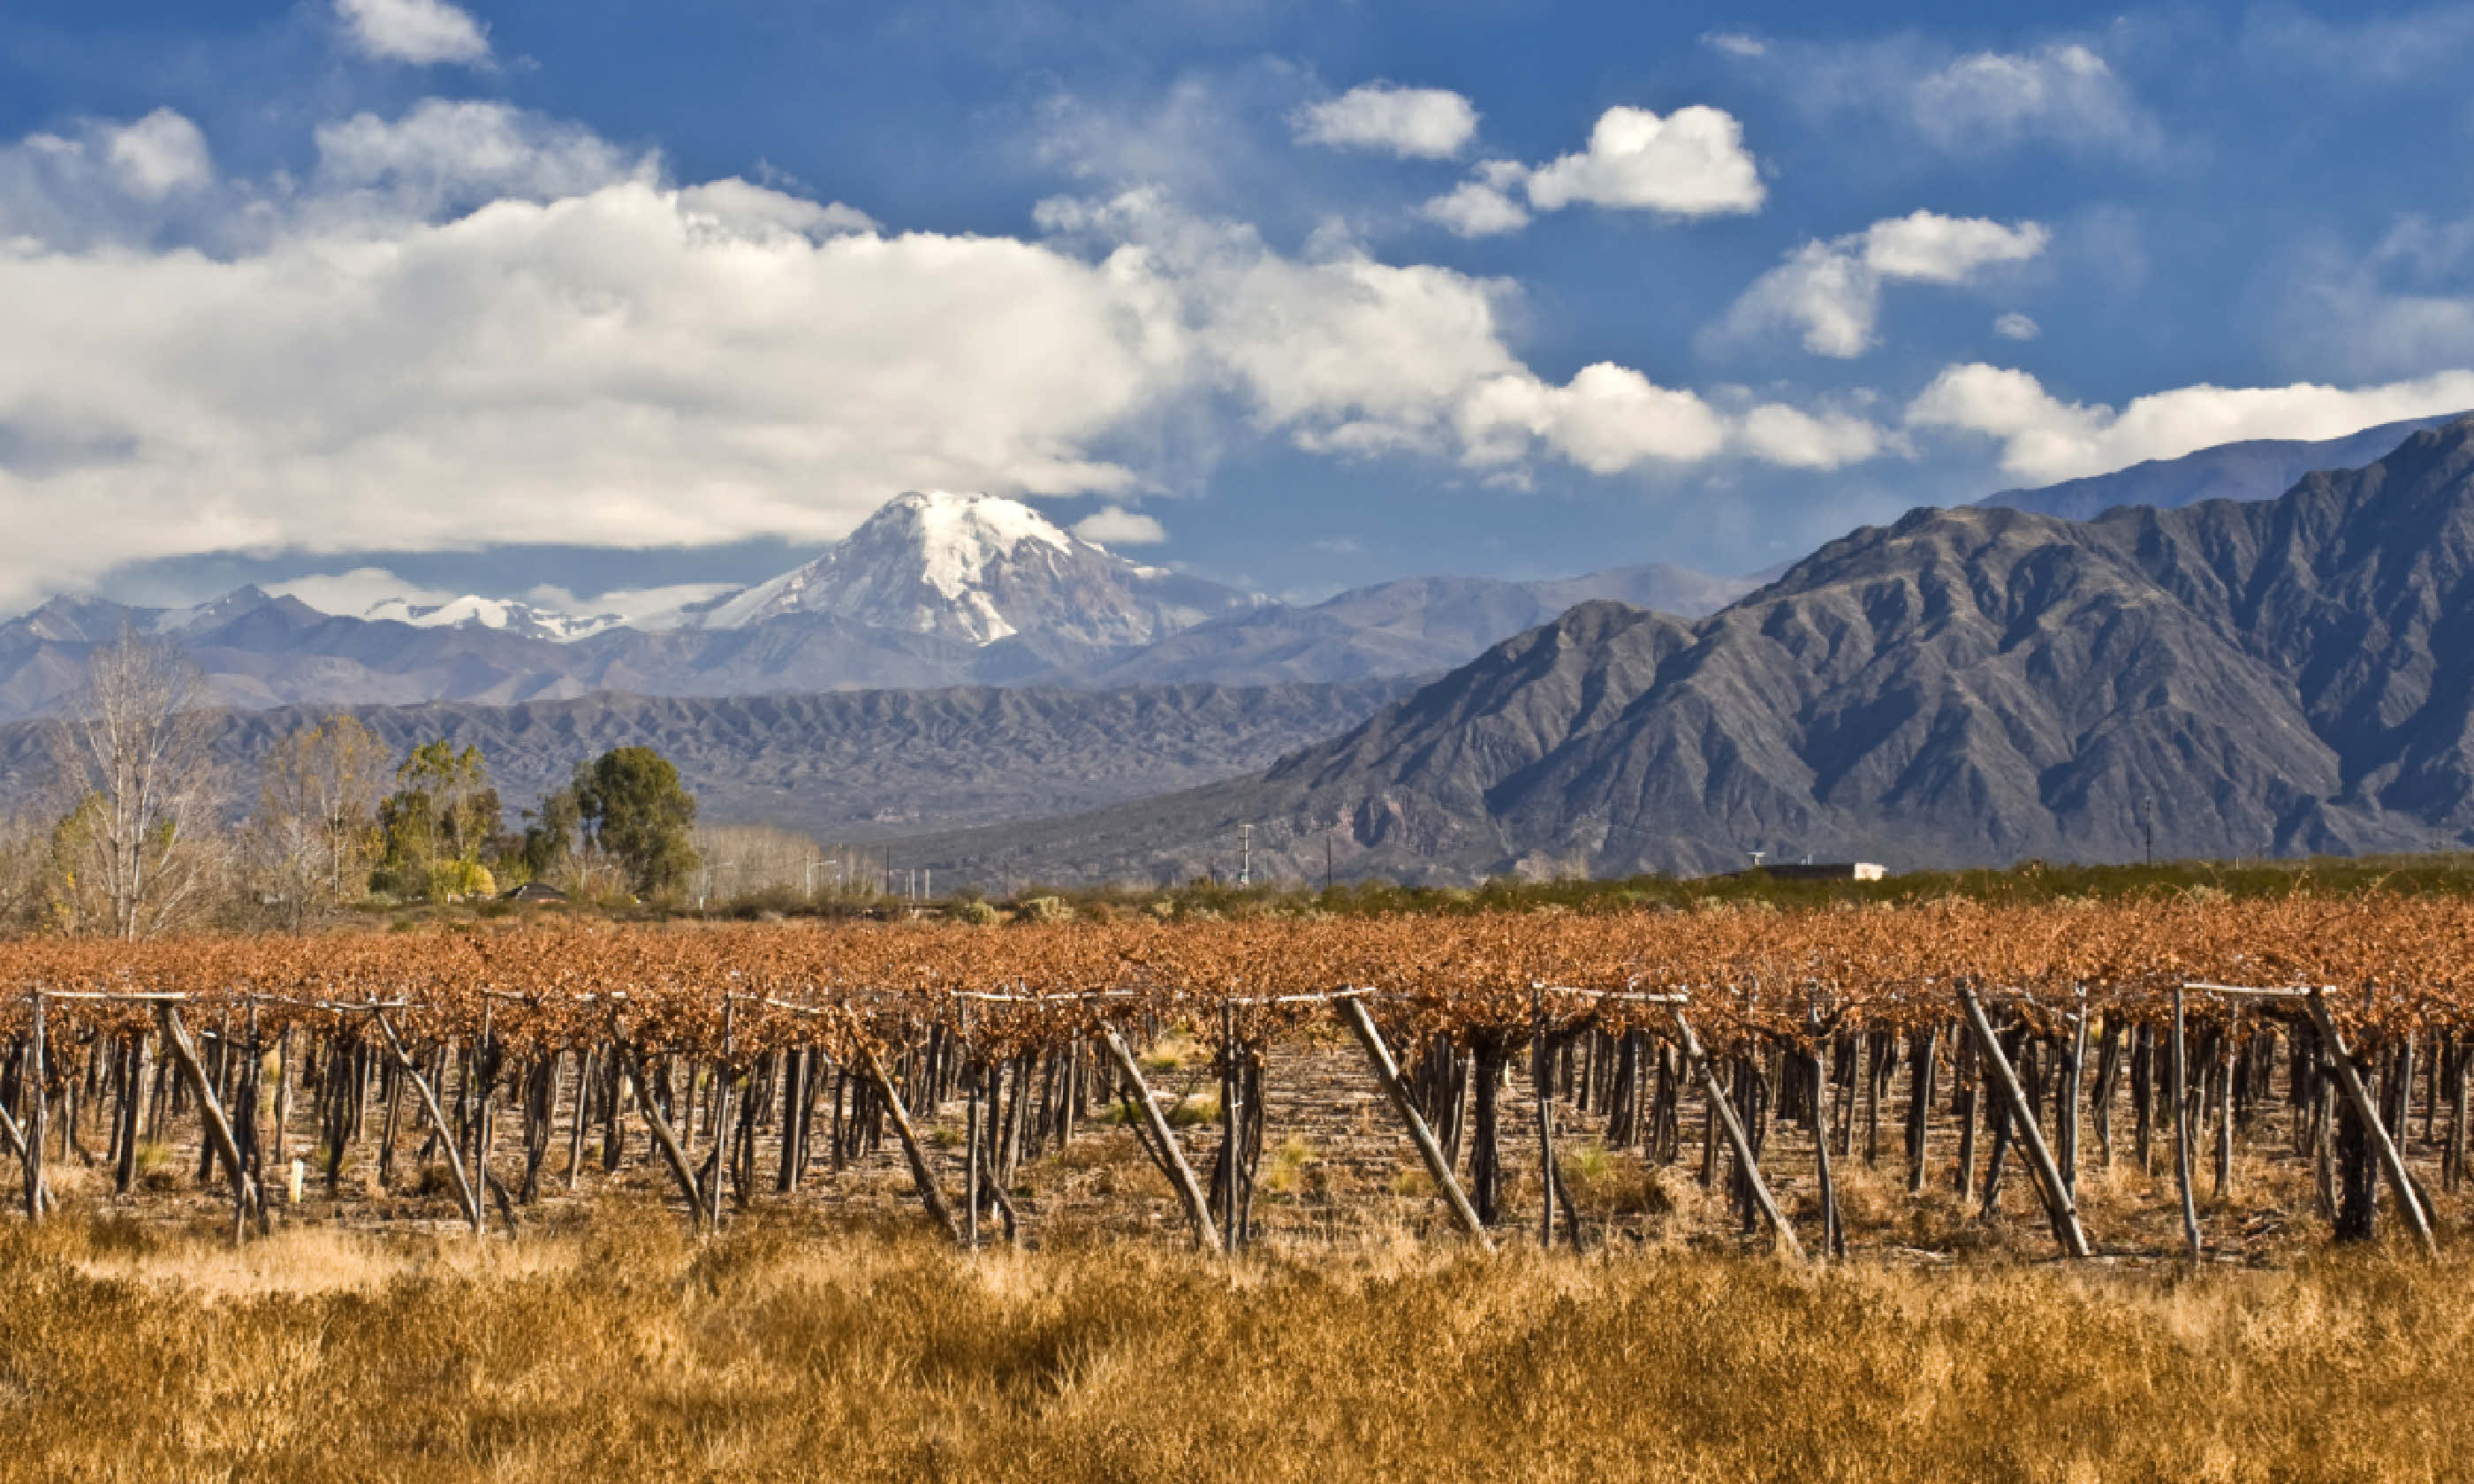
(960, 537)
(976, 568)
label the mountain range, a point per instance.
(938, 591)
(845, 766)
(1968, 685)
(932, 591)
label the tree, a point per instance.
(138, 846)
(316, 835)
(633, 806)
(436, 822)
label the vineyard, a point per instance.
(1762, 1053)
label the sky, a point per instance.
(527, 298)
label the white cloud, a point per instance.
(1114, 526)
(2063, 92)
(1830, 292)
(442, 154)
(420, 31)
(2015, 326)
(354, 592)
(2045, 439)
(1735, 43)
(1925, 248)
(1692, 163)
(1777, 434)
(594, 355)
(107, 182)
(1476, 210)
(1415, 123)
(160, 154)
(1607, 419)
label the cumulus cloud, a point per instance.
(419, 31)
(471, 327)
(1415, 123)
(1476, 208)
(1115, 526)
(1830, 292)
(2015, 326)
(1349, 356)
(106, 180)
(1692, 163)
(2045, 439)
(444, 154)
(160, 154)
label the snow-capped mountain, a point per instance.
(506, 614)
(977, 568)
(932, 591)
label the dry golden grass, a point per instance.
(621, 1350)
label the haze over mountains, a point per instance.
(1978, 685)
(933, 591)
(2255, 468)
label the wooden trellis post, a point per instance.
(2179, 1089)
(464, 1191)
(217, 1128)
(2058, 1204)
(1180, 1174)
(1387, 1072)
(2349, 1081)
(1725, 1112)
(923, 1176)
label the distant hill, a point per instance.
(1972, 686)
(1403, 628)
(849, 765)
(2256, 470)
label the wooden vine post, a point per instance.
(2059, 1206)
(34, 1136)
(1189, 1190)
(666, 1138)
(218, 1128)
(923, 1176)
(447, 1139)
(1541, 1081)
(2178, 1090)
(1387, 1072)
(1725, 1111)
(2349, 1081)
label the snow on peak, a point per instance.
(960, 537)
(473, 611)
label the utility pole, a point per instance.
(1244, 856)
(2148, 814)
(1326, 863)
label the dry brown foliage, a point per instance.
(628, 1352)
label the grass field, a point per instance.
(621, 1350)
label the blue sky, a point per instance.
(514, 296)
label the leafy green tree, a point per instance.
(437, 821)
(631, 805)
(549, 838)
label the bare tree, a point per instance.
(316, 830)
(131, 749)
